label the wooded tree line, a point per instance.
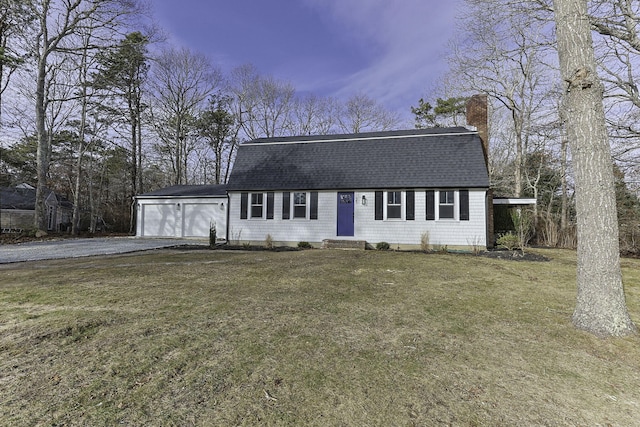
(508, 50)
(95, 105)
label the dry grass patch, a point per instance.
(308, 338)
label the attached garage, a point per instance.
(182, 211)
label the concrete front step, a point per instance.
(344, 244)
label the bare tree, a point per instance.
(181, 83)
(57, 22)
(618, 52)
(600, 306)
(14, 22)
(313, 115)
(501, 54)
(363, 114)
(617, 46)
(262, 104)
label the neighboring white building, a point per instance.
(396, 187)
(182, 211)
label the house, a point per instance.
(17, 209)
(405, 188)
(182, 211)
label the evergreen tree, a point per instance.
(122, 74)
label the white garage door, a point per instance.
(198, 217)
(159, 220)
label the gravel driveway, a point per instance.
(74, 248)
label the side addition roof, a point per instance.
(426, 158)
(219, 190)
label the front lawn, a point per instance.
(318, 337)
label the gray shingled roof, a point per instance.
(17, 198)
(427, 158)
(25, 198)
(188, 191)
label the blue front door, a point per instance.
(345, 214)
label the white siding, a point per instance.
(181, 217)
(289, 230)
(447, 232)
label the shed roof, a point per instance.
(17, 198)
(418, 158)
(218, 190)
(23, 197)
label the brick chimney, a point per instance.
(478, 116)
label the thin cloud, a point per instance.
(390, 50)
(409, 38)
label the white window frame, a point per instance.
(261, 205)
(453, 204)
(305, 204)
(401, 205)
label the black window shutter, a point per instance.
(244, 203)
(286, 201)
(411, 205)
(314, 205)
(270, 197)
(379, 206)
(464, 205)
(431, 205)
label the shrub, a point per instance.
(475, 245)
(509, 241)
(30, 232)
(212, 234)
(382, 246)
(424, 242)
(304, 245)
(523, 222)
(268, 242)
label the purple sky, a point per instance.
(389, 49)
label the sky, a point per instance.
(391, 50)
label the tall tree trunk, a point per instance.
(134, 146)
(134, 163)
(82, 147)
(138, 120)
(42, 152)
(600, 305)
(75, 222)
(564, 220)
(519, 152)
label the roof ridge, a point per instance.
(293, 140)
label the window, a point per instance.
(299, 205)
(446, 204)
(388, 205)
(394, 204)
(257, 204)
(299, 208)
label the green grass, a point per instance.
(316, 337)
